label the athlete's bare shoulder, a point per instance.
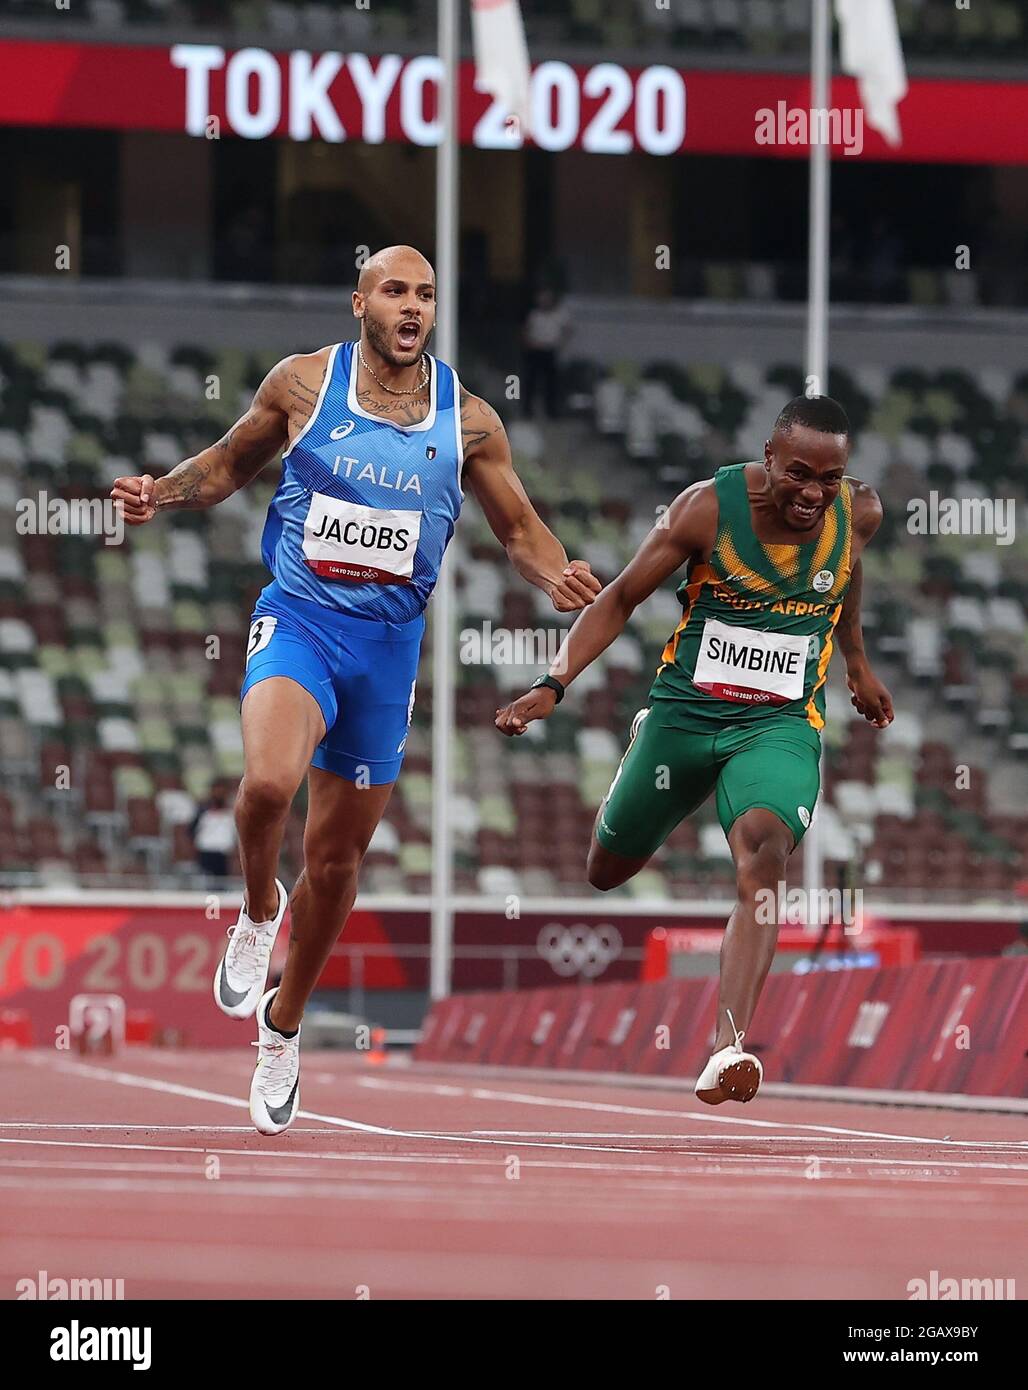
(301, 372)
(481, 427)
(293, 386)
(693, 515)
(867, 508)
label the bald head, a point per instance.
(395, 302)
(400, 262)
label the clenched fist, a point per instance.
(577, 588)
(515, 718)
(869, 697)
(137, 497)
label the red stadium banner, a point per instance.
(959, 1027)
(607, 108)
(161, 959)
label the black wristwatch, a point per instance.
(551, 683)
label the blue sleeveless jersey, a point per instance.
(365, 509)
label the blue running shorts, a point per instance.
(361, 671)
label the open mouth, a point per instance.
(407, 335)
(804, 513)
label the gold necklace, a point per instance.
(412, 391)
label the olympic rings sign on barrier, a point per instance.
(579, 949)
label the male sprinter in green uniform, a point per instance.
(773, 580)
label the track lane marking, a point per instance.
(740, 1161)
(132, 1080)
(610, 1107)
(1012, 1146)
(146, 1083)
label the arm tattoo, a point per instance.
(478, 421)
(182, 486)
(244, 450)
(235, 460)
(304, 397)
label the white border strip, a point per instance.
(63, 896)
(458, 429)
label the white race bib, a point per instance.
(750, 667)
(363, 545)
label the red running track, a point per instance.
(398, 1182)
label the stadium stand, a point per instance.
(120, 664)
(770, 29)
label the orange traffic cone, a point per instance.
(376, 1053)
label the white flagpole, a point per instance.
(817, 323)
(443, 599)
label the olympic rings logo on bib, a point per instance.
(361, 545)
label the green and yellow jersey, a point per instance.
(758, 619)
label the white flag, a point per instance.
(501, 56)
(871, 51)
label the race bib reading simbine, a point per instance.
(750, 667)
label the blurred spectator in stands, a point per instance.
(214, 832)
(885, 262)
(844, 255)
(247, 246)
(545, 330)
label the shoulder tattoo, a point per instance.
(478, 420)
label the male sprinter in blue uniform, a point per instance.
(379, 439)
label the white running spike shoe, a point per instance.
(731, 1074)
(242, 975)
(275, 1089)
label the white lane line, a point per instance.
(167, 1087)
(122, 1078)
(633, 1196)
(333, 1157)
(151, 1129)
(239, 1171)
(172, 1088)
(396, 1183)
(229, 1187)
(610, 1108)
(727, 1164)
(1003, 1145)
(782, 1183)
(1012, 1146)
(187, 1171)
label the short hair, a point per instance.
(817, 413)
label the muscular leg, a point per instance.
(760, 845)
(663, 777)
(282, 726)
(607, 870)
(341, 820)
